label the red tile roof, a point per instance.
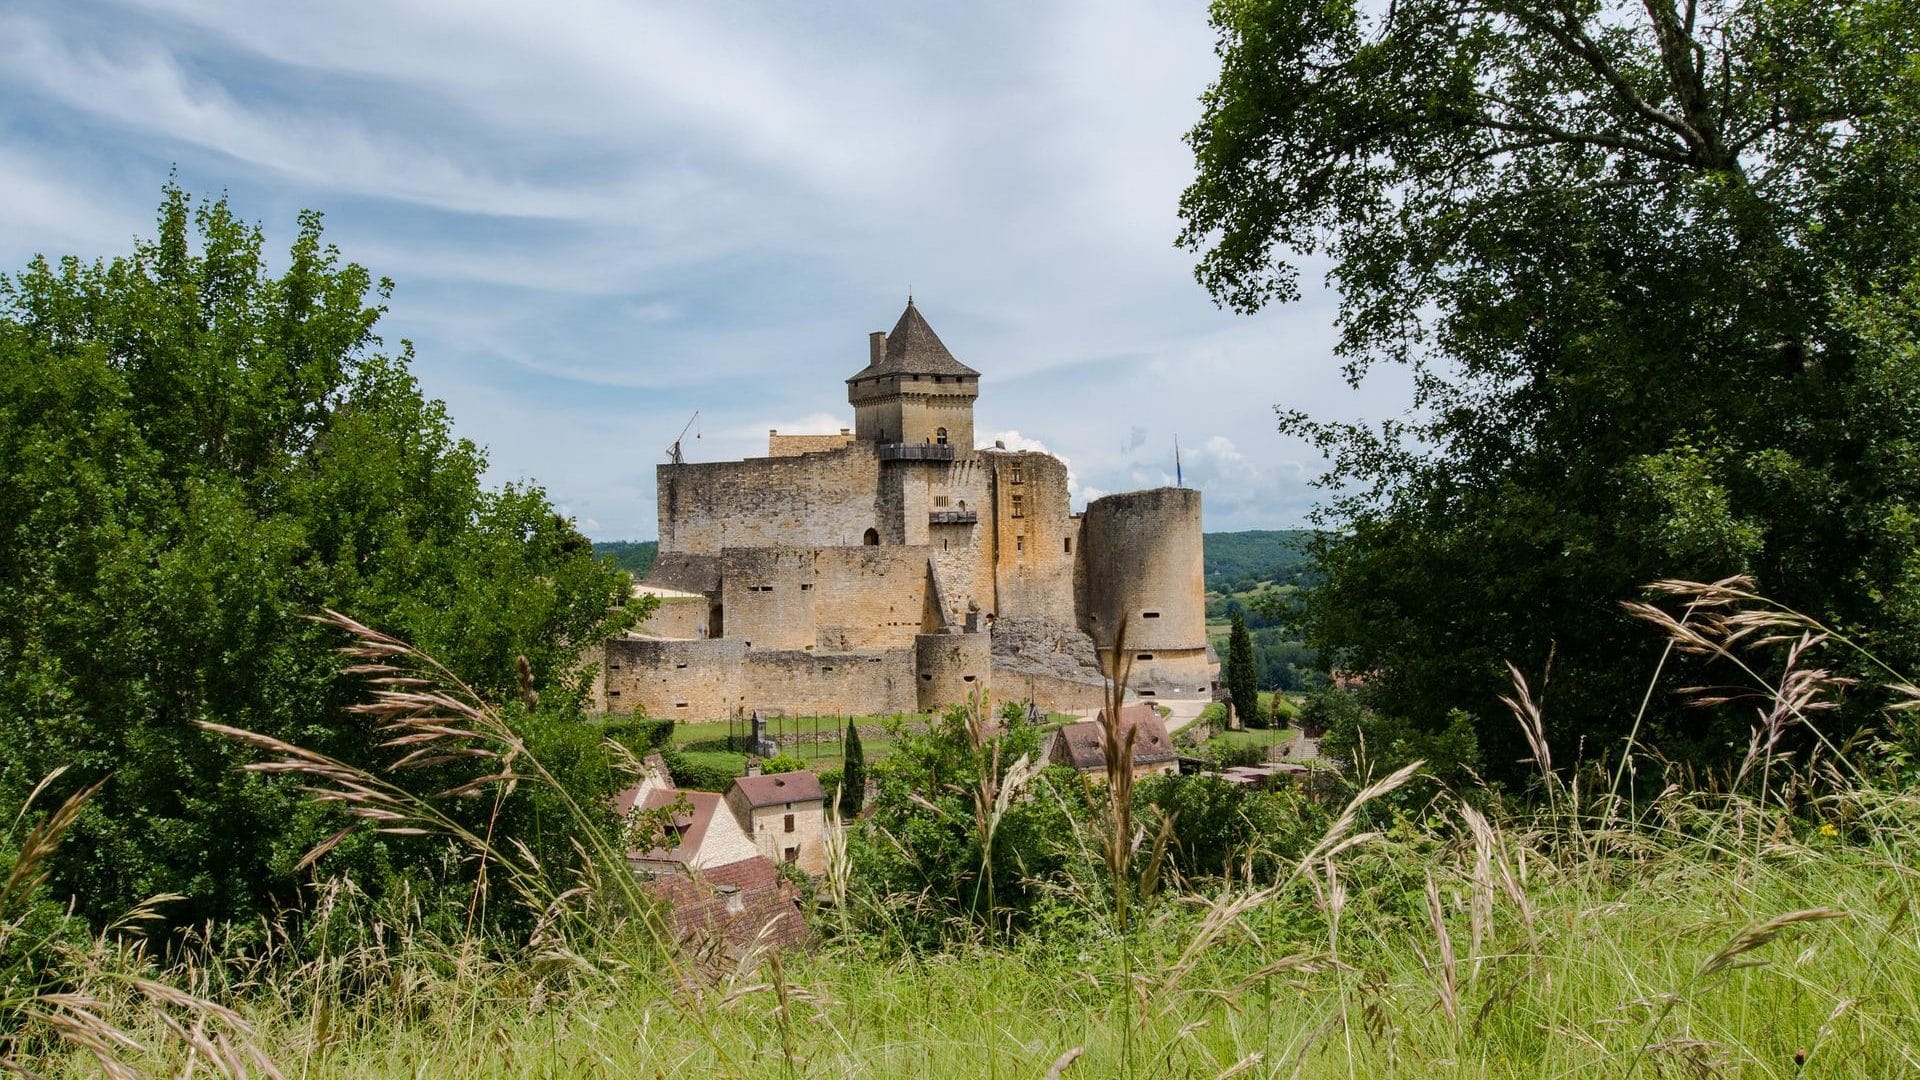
(1082, 745)
(769, 905)
(691, 824)
(775, 788)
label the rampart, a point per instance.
(830, 599)
(813, 500)
(685, 680)
(830, 684)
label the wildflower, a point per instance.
(1828, 830)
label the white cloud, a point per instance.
(604, 216)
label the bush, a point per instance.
(641, 734)
(700, 772)
(780, 763)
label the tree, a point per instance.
(853, 775)
(1624, 250)
(195, 454)
(1242, 679)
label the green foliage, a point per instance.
(1238, 561)
(1370, 745)
(1243, 684)
(641, 734)
(700, 772)
(919, 837)
(634, 556)
(1013, 712)
(194, 454)
(1223, 829)
(780, 763)
(1653, 276)
(853, 775)
(1282, 710)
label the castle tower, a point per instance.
(913, 391)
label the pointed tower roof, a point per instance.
(914, 349)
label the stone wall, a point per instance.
(766, 826)
(1033, 534)
(832, 599)
(677, 617)
(829, 684)
(1052, 693)
(814, 500)
(1178, 674)
(682, 680)
(952, 669)
(779, 445)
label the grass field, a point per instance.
(1695, 940)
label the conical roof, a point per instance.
(914, 349)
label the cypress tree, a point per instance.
(1242, 684)
(853, 775)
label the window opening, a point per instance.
(1066, 545)
(940, 436)
(872, 539)
(1149, 614)
(1019, 542)
(1019, 509)
(1019, 475)
(789, 825)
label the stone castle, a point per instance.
(895, 568)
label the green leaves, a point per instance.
(194, 453)
(1623, 250)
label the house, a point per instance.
(784, 816)
(735, 906)
(717, 865)
(1082, 745)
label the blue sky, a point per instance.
(603, 216)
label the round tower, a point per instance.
(1145, 568)
(952, 668)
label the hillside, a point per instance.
(634, 556)
(1238, 561)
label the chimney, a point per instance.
(876, 347)
(753, 766)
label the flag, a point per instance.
(1178, 480)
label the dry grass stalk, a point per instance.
(1447, 981)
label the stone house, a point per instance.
(1082, 746)
(721, 881)
(783, 816)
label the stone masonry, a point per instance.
(871, 571)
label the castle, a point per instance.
(895, 568)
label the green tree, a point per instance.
(853, 775)
(1624, 250)
(196, 453)
(1243, 684)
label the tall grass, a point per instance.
(1762, 925)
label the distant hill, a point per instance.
(634, 556)
(1235, 561)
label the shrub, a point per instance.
(780, 763)
(700, 772)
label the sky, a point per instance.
(604, 216)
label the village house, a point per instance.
(718, 863)
(1082, 745)
(784, 815)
